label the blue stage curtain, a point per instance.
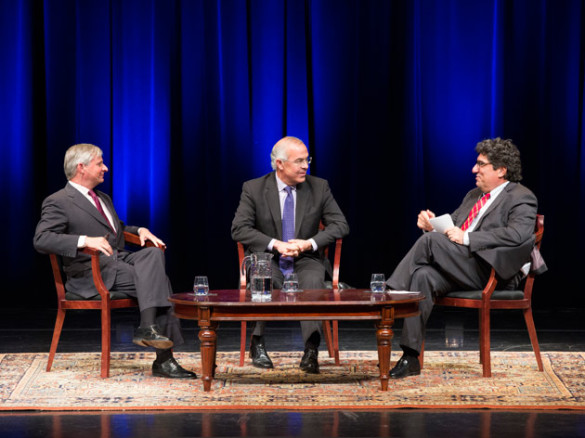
(187, 97)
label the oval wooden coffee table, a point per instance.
(309, 305)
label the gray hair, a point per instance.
(80, 153)
(280, 149)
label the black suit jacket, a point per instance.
(258, 218)
(504, 235)
(65, 216)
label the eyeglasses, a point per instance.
(301, 161)
(480, 163)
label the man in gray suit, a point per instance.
(494, 227)
(259, 222)
(77, 217)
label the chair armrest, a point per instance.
(97, 273)
(241, 255)
(134, 239)
(336, 263)
(490, 287)
(95, 263)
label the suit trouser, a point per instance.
(142, 274)
(311, 274)
(434, 266)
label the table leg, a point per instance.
(214, 352)
(208, 346)
(384, 336)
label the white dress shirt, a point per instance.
(282, 194)
(493, 195)
(85, 192)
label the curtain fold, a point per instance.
(187, 98)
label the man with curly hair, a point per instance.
(494, 227)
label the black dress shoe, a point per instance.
(406, 366)
(170, 368)
(258, 353)
(309, 362)
(150, 337)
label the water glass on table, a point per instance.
(291, 283)
(378, 283)
(201, 285)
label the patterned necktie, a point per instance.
(288, 230)
(98, 204)
(473, 213)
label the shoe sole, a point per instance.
(406, 375)
(309, 370)
(163, 345)
(266, 367)
(155, 374)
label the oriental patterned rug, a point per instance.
(449, 380)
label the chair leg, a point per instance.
(484, 342)
(328, 338)
(533, 339)
(243, 329)
(106, 343)
(336, 341)
(480, 319)
(56, 335)
(421, 355)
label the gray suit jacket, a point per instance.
(258, 218)
(65, 216)
(504, 235)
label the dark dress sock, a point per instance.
(163, 355)
(313, 341)
(148, 317)
(409, 351)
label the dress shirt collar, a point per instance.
(281, 185)
(495, 192)
(82, 189)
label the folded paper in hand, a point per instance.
(442, 223)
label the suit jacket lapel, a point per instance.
(110, 206)
(496, 204)
(466, 207)
(303, 202)
(273, 200)
(82, 202)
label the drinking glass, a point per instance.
(201, 285)
(378, 283)
(291, 283)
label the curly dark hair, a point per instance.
(502, 153)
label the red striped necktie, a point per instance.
(475, 210)
(98, 204)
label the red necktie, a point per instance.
(98, 204)
(475, 210)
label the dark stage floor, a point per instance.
(558, 330)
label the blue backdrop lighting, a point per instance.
(187, 98)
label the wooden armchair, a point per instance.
(331, 335)
(489, 298)
(106, 301)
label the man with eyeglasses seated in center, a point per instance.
(280, 213)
